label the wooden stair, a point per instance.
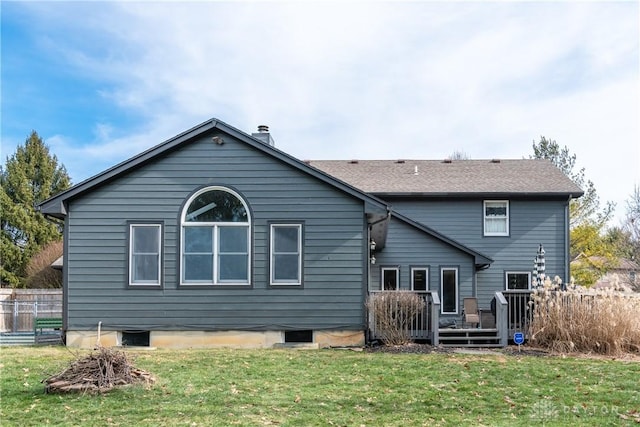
(469, 337)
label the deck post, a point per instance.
(435, 319)
(502, 319)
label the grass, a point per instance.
(327, 388)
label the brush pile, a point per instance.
(99, 372)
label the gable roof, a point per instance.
(452, 178)
(56, 205)
(481, 261)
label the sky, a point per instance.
(102, 81)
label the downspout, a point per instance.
(65, 271)
(386, 218)
(567, 244)
(368, 261)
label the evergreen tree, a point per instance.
(29, 177)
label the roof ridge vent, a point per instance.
(353, 162)
(495, 160)
(447, 161)
(400, 161)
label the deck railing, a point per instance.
(518, 312)
(424, 326)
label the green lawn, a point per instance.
(328, 388)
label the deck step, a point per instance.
(469, 338)
(461, 338)
(475, 345)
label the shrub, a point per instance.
(40, 274)
(394, 312)
(576, 319)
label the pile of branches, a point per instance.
(99, 372)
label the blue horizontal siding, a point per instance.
(532, 222)
(334, 274)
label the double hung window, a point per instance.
(286, 254)
(496, 217)
(145, 254)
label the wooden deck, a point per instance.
(512, 314)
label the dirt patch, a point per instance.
(512, 350)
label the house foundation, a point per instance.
(212, 339)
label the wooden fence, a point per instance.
(18, 307)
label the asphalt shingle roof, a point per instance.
(457, 177)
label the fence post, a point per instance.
(502, 319)
(16, 307)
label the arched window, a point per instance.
(215, 243)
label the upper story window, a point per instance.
(145, 254)
(496, 217)
(215, 238)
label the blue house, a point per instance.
(217, 238)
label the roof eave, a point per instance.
(468, 194)
(56, 203)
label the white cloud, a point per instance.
(369, 80)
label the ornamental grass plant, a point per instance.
(576, 319)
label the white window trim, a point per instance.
(216, 243)
(484, 218)
(442, 270)
(272, 253)
(131, 254)
(382, 270)
(426, 270)
(506, 278)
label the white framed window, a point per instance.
(449, 290)
(517, 280)
(215, 239)
(145, 254)
(390, 278)
(419, 279)
(285, 262)
(496, 217)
